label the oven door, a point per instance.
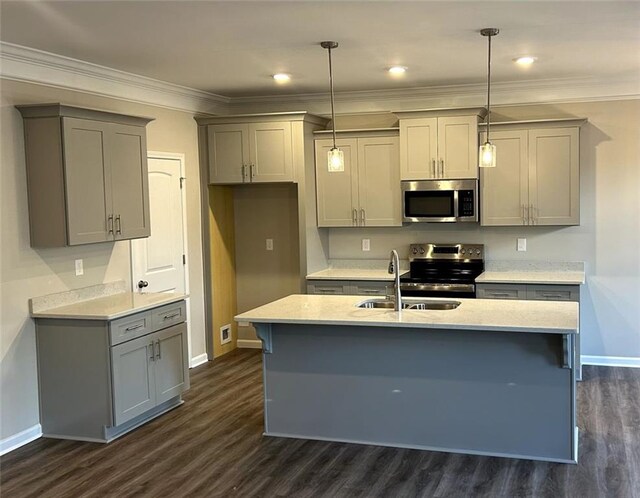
(439, 201)
(412, 289)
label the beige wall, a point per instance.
(608, 238)
(262, 212)
(27, 272)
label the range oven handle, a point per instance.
(410, 286)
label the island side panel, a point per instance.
(496, 393)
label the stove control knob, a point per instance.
(414, 250)
(462, 251)
(422, 250)
(477, 252)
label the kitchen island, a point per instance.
(488, 377)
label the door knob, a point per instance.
(142, 284)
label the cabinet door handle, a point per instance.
(526, 216)
(158, 354)
(118, 225)
(134, 327)
(362, 217)
(433, 167)
(173, 315)
(252, 172)
(110, 223)
(355, 217)
(243, 168)
(152, 356)
(441, 168)
(522, 207)
(534, 220)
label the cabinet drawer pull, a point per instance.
(500, 294)
(372, 291)
(169, 317)
(326, 291)
(555, 296)
(158, 354)
(152, 356)
(134, 327)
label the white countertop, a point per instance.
(110, 307)
(566, 277)
(472, 314)
(350, 274)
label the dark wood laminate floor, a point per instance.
(213, 446)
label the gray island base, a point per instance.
(490, 392)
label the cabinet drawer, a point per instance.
(129, 327)
(168, 315)
(501, 291)
(372, 288)
(553, 292)
(328, 287)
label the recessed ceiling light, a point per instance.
(526, 60)
(397, 70)
(282, 77)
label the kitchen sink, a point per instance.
(410, 304)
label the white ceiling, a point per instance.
(232, 48)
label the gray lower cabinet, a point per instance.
(534, 292)
(100, 379)
(350, 287)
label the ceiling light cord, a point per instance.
(489, 90)
(333, 112)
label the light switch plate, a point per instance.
(366, 244)
(522, 244)
(79, 268)
(269, 244)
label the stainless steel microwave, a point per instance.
(440, 201)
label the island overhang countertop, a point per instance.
(548, 317)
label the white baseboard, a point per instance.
(250, 343)
(611, 361)
(201, 359)
(20, 439)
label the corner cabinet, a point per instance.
(537, 177)
(259, 148)
(439, 144)
(86, 175)
(100, 379)
(367, 192)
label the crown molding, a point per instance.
(469, 95)
(30, 65)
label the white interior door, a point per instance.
(159, 259)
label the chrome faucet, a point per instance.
(394, 268)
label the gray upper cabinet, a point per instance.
(367, 192)
(439, 144)
(250, 152)
(537, 178)
(86, 175)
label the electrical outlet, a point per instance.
(225, 334)
(366, 244)
(79, 268)
(522, 244)
(269, 244)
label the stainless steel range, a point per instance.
(443, 270)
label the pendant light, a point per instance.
(487, 154)
(336, 156)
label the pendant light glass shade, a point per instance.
(335, 159)
(487, 152)
(487, 155)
